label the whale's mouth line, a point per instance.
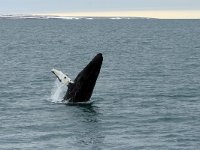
(56, 75)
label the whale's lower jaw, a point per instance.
(82, 88)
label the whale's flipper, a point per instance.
(82, 88)
(63, 78)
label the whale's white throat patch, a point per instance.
(63, 78)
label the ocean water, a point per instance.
(147, 95)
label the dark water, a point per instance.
(146, 97)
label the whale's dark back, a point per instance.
(82, 88)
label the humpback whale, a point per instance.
(81, 89)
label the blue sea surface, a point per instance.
(147, 96)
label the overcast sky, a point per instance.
(45, 6)
(64, 6)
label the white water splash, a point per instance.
(58, 92)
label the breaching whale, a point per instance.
(81, 89)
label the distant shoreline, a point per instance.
(8, 16)
(67, 17)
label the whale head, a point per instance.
(63, 78)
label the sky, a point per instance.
(138, 8)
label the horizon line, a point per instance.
(157, 14)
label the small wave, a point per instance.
(62, 17)
(89, 18)
(115, 18)
(79, 103)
